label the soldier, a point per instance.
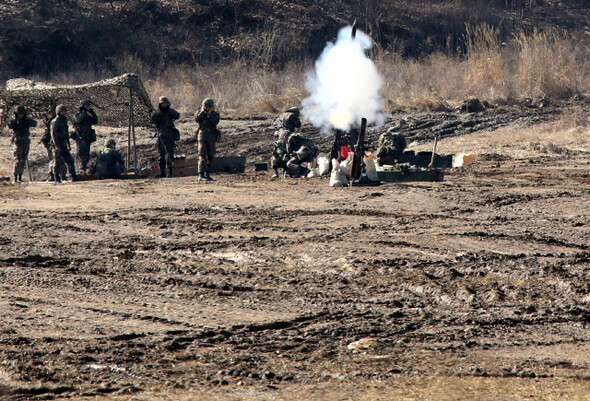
(390, 148)
(61, 144)
(167, 134)
(85, 134)
(300, 150)
(208, 135)
(48, 143)
(279, 157)
(110, 163)
(289, 120)
(21, 125)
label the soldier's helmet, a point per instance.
(293, 110)
(110, 143)
(60, 107)
(163, 99)
(21, 110)
(209, 103)
(85, 102)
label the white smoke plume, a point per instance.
(345, 85)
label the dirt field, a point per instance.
(252, 289)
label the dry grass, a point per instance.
(539, 64)
(548, 64)
(536, 65)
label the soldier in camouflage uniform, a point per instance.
(48, 143)
(61, 144)
(390, 148)
(290, 120)
(279, 157)
(167, 134)
(207, 118)
(301, 150)
(21, 125)
(110, 163)
(85, 134)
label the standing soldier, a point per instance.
(85, 134)
(61, 144)
(48, 143)
(301, 150)
(167, 134)
(208, 134)
(21, 125)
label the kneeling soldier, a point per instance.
(279, 157)
(110, 163)
(301, 150)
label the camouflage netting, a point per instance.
(110, 99)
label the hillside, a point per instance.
(38, 39)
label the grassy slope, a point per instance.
(38, 39)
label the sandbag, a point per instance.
(346, 165)
(324, 165)
(462, 160)
(337, 179)
(371, 168)
(314, 172)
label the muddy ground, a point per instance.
(246, 288)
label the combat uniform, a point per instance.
(279, 157)
(110, 163)
(61, 147)
(390, 148)
(167, 135)
(208, 136)
(301, 150)
(22, 140)
(85, 134)
(48, 143)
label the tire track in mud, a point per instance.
(432, 299)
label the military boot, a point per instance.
(208, 177)
(303, 171)
(74, 177)
(171, 172)
(51, 177)
(20, 177)
(202, 177)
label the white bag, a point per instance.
(314, 172)
(371, 168)
(324, 165)
(346, 165)
(337, 179)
